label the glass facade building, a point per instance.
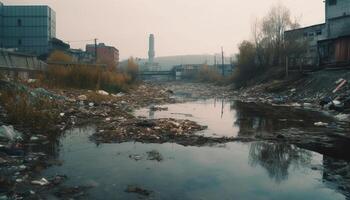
(28, 29)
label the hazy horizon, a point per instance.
(180, 27)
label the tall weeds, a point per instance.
(86, 77)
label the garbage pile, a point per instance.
(321, 90)
(147, 130)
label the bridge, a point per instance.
(156, 73)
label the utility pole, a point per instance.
(96, 50)
(223, 62)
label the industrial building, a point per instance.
(107, 55)
(27, 29)
(327, 43)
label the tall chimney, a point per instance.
(151, 52)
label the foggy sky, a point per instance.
(180, 26)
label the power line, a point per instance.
(75, 41)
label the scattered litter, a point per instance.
(135, 157)
(341, 84)
(91, 104)
(154, 155)
(41, 182)
(82, 98)
(62, 114)
(102, 92)
(156, 108)
(9, 133)
(138, 190)
(343, 117)
(320, 124)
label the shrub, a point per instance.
(37, 114)
(86, 77)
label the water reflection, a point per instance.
(277, 158)
(254, 119)
(192, 172)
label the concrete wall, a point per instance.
(10, 61)
(338, 27)
(340, 8)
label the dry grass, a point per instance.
(37, 114)
(85, 77)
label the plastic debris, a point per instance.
(341, 84)
(102, 92)
(320, 124)
(41, 182)
(343, 117)
(9, 133)
(82, 98)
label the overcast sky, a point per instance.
(180, 26)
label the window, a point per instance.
(319, 32)
(19, 22)
(332, 2)
(19, 42)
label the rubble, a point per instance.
(9, 133)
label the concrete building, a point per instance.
(27, 29)
(327, 42)
(107, 55)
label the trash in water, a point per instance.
(138, 190)
(9, 133)
(135, 157)
(154, 155)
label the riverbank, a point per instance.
(113, 117)
(326, 91)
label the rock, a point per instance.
(82, 98)
(91, 104)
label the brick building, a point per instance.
(108, 55)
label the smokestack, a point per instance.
(151, 52)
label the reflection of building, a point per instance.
(108, 55)
(27, 28)
(329, 42)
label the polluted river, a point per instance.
(239, 169)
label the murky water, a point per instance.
(257, 170)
